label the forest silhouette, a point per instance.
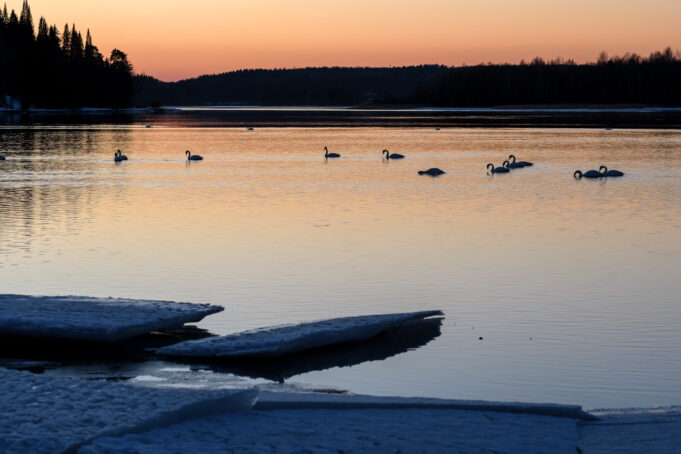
(631, 79)
(44, 68)
(48, 69)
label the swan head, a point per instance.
(490, 165)
(603, 169)
(385, 152)
(187, 152)
(577, 174)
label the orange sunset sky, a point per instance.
(173, 39)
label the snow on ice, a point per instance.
(282, 340)
(96, 319)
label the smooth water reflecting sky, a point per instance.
(573, 285)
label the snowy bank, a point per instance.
(306, 401)
(409, 429)
(96, 319)
(286, 339)
(353, 431)
(41, 414)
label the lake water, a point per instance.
(573, 285)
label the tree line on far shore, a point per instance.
(44, 68)
(631, 79)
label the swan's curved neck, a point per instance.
(511, 158)
(577, 174)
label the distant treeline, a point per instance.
(631, 79)
(52, 70)
(334, 86)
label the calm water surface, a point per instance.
(573, 285)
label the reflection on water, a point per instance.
(573, 285)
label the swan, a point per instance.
(118, 157)
(588, 174)
(148, 126)
(2, 157)
(330, 155)
(193, 157)
(392, 156)
(122, 156)
(497, 169)
(249, 128)
(610, 173)
(433, 172)
(519, 164)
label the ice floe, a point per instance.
(286, 339)
(96, 319)
(41, 414)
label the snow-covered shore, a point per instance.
(41, 413)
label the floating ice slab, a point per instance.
(46, 414)
(282, 340)
(96, 319)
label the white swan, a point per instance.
(330, 155)
(392, 156)
(193, 157)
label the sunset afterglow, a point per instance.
(173, 40)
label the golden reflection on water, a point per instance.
(268, 228)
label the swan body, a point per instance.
(193, 157)
(250, 129)
(493, 169)
(516, 165)
(588, 174)
(330, 155)
(392, 156)
(610, 173)
(122, 156)
(2, 157)
(433, 172)
(148, 126)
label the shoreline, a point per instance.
(621, 117)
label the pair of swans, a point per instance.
(507, 165)
(118, 156)
(600, 173)
(387, 154)
(512, 164)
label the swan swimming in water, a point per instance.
(2, 157)
(433, 172)
(392, 156)
(515, 165)
(330, 155)
(193, 157)
(117, 157)
(497, 169)
(122, 156)
(588, 174)
(610, 173)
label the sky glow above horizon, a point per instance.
(168, 40)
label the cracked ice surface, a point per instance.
(46, 414)
(281, 340)
(96, 319)
(354, 431)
